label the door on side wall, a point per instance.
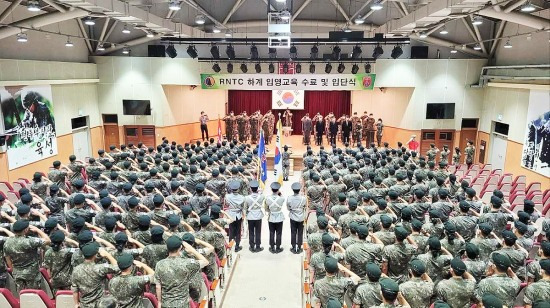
(81, 138)
(110, 131)
(499, 143)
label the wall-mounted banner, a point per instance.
(536, 146)
(29, 124)
(288, 82)
(291, 99)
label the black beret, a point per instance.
(90, 249)
(496, 201)
(331, 265)
(327, 239)
(78, 183)
(458, 266)
(20, 225)
(362, 230)
(173, 220)
(434, 243)
(173, 243)
(157, 231)
(144, 220)
(545, 246)
(85, 236)
(26, 198)
(105, 201)
(158, 199)
(389, 285)
(188, 238)
(124, 261)
(386, 221)
(51, 223)
(121, 237)
(401, 233)
(485, 228)
(322, 222)
(186, 209)
(133, 202)
(78, 222)
(215, 209)
(417, 267)
(79, 199)
(110, 222)
(501, 260)
(23, 209)
(491, 301)
(373, 271)
(205, 220)
(199, 187)
(472, 249)
(57, 236)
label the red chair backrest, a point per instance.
(9, 298)
(40, 293)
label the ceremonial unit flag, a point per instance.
(219, 129)
(278, 154)
(262, 165)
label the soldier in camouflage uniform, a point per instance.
(307, 127)
(475, 265)
(436, 259)
(469, 153)
(22, 252)
(200, 202)
(371, 129)
(496, 218)
(501, 281)
(39, 187)
(432, 153)
(458, 290)
(127, 288)
(229, 123)
(333, 286)
(398, 255)
(76, 168)
(57, 260)
(363, 252)
(58, 175)
(216, 184)
(465, 224)
(352, 216)
(255, 127)
(365, 127)
(485, 240)
(368, 292)
(286, 162)
(517, 255)
(540, 290)
(242, 121)
(334, 189)
(357, 127)
(444, 155)
(316, 194)
(173, 274)
(419, 289)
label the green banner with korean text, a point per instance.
(326, 82)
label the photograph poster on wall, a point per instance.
(536, 146)
(29, 124)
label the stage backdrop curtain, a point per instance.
(338, 102)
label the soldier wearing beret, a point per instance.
(457, 291)
(316, 193)
(516, 254)
(540, 290)
(419, 289)
(396, 256)
(390, 294)
(436, 259)
(127, 288)
(200, 202)
(495, 217)
(333, 286)
(501, 281)
(475, 265)
(363, 252)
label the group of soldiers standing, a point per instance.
(243, 127)
(363, 128)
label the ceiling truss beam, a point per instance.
(235, 7)
(360, 9)
(341, 9)
(497, 40)
(300, 9)
(85, 35)
(9, 9)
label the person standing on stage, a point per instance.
(265, 126)
(274, 205)
(319, 129)
(307, 126)
(286, 162)
(365, 128)
(242, 120)
(379, 131)
(287, 122)
(340, 120)
(357, 127)
(204, 127)
(347, 126)
(254, 127)
(370, 129)
(253, 213)
(333, 129)
(296, 205)
(246, 119)
(328, 119)
(229, 120)
(235, 203)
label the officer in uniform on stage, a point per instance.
(296, 205)
(253, 214)
(307, 126)
(274, 205)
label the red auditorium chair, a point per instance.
(536, 197)
(64, 299)
(7, 299)
(35, 298)
(516, 198)
(505, 179)
(516, 187)
(45, 282)
(5, 187)
(546, 211)
(149, 300)
(520, 179)
(493, 179)
(24, 180)
(13, 196)
(533, 187)
(497, 172)
(459, 174)
(451, 169)
(487, 167)
(18, 185)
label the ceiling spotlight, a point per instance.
(314, 52)
(271, 68)
(336, 52)
(377, 52)
(356, 52)
(244, 68)
(454, 51)
(254, 52)
(312, 68)
(423, 35)
(230, 67)
(396, 52)
(192, 51)
(100, 47)
(272, 53)
(529, 36)
(298, 68)
(328, 68)
(367, 68)
(355, 69)
(216, 30)
(443, 30)
(477, 46)
(377, 5)
(125, 50)
(228, 33)
(346, 29)
(150, 34)
(281, 1)
(477, 20)
(125, 30)
(33, 6)
(230, 51)
(69, 43)
(22, 37)
(359, 20)
(215, 51)
(216, 68)
(528, 7)
(293, 52)
(89, 21)
(171, 51)
(258, 68)
(174, 5)
(285, 15)
(341, 68)
(285, 68)
(508, 44)
(200, 20)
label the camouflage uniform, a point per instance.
(386, 236)
(241, 124)
(346, 219)
(286, 164)
(128, 290)
(173, 274)
(517, 257)
(430, 155)
(217, 186)
(331, 287)
(153, 253)
(254, 127)
(417, 292)
(339, 210)
(40, 189)
(533, 271)
(76, 168)
(538, 291)
(143, 237)
(200, 204)
(89, 279)
(361, 253)
(356, 128)
(465, 226)
(501, 286)
(229, 121)
(58, 177)
(59, 265)
(25, 257)
(470, 151)
(457, 292)
(435, 266)
(444, 156)
(368, 294)
(497, 220)
(316, 194)
(317, 262)
(314, 241)
(486, 246)
(476, 267)
(333, 190)
(398, 256)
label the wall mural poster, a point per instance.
(29, 123)
(536, 146)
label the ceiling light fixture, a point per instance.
(314, 52)
(367, 68)
(244, 68)
(312, 68)
(22, 37)
(228, 33)
(293, 52)
(528, 7)
(341, 68)
(477, 46)
(336, 50)
(423, 35)
(89, 21)
(377, 5)
(230, 51)
(171, 51)
(200, 20)
(281, 1)
(254, 55)
(271, 68)
(477, 20)
(285, 68)
(125, 30)
(69, 43)
(192, 51)
(396, 52)
(377, 52)
(216, 30)
(508, 45)
(443, 30)
(174, 5)
(150, 34)
(355, 69)
(125, 50)
(216, 68)
(454, 51)
(346, 29)
(215, 51)
(258, 68)
(272, 53)
(33, 6)
(285, 15)
(100, 47)
(359, 20)
(328, 68)
(298, 68)
(356, 52)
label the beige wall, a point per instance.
(185, 103)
